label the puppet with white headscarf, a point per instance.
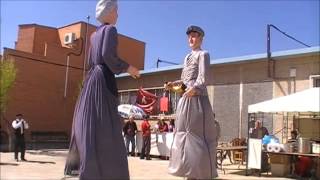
(104, 8)
(97, 146)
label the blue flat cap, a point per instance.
(194, 28)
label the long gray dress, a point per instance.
(96, 131)
(193, 151)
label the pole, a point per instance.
(158, 62)
(85, 50)
(240, 104)
(268, 50)
(268, 42)
(66, 79)
(247, 157)
(168, 62)
(270, 60)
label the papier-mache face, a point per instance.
(104, 8)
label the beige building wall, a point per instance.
(284, 85)
(235, 85)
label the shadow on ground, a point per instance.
(49, 153)
(40, 162)
(9, 164)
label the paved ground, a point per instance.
(49, 164)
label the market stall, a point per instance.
(304, 106)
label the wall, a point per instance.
(25, 38)
(40, 59)
(38, 93)
(132, 51)
(284, 85)
(228, 101)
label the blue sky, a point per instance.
(233, 28)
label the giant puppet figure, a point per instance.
(96, 131)
(193, 151)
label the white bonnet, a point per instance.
(103, 8)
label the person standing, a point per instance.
(162, 126)
(193, 150)
(19, 125)
(96, 137)
(130, 130)
(146, 139)
(259, 131)
(171, 127)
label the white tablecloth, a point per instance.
(160, 143)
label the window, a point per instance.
(314, 81)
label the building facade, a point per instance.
(238, 82)
(48, 82)
(50, 68)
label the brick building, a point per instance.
(47, 83)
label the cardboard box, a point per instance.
(280, 170)
(279, 159)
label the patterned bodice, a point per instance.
(194, 72)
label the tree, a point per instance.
(7, 77)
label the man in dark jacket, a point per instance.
(130, 130)
(259, 131)
(19, 125)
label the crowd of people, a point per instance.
(130, 130)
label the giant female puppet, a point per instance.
(193, 151)
(96, 131)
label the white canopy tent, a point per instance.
(307, 101)
(304, 101)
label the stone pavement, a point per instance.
(49, 164)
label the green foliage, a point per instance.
(7, 77)
(80, 86)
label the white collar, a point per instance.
(196, 50)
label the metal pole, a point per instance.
(247, 157)
(158, 62)
(66, 80)
(268, 42)
(268, 50)
(240, 104)
(168, 62)
(85, 50)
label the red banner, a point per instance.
(146, 101)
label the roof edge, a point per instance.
(34, 24)
(240, 59)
